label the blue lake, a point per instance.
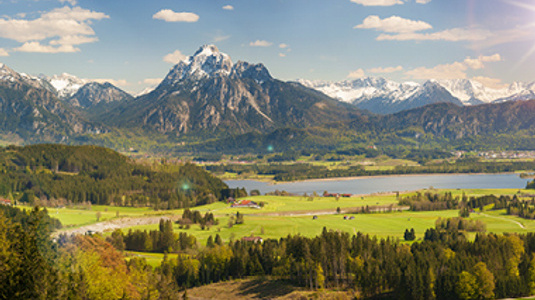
(378, 184)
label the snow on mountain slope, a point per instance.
(473, 92)
(66, 85)
(363, 89)
(384, 96)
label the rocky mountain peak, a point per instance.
(257, 72)
(207, 61)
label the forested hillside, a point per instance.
(59, 175)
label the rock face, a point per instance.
(94, 93)
(208, 93)
(29, 110)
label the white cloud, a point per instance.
(478, 63)
(283, 46)
(377, 2)
(228, 7)
(356, 74)
(3, 52)
(493, 83)
(171, 16)
(74, 40)
(260, 43)
(387, 70)
(116, 82)
(36, 47)
(220, 38)
(71, 2)
(175, 57)
(451, 35)
(282, 55)
(152, 81)
(57, 23)
(455, 70)
(423, 1)
(62, 26)
(393, 24)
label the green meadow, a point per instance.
(283, 215)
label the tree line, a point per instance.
(303, 171)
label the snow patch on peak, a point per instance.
(206, 62)
(66, 85)
(207, 50)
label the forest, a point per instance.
(59, 175)
(444, 265)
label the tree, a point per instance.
(409, 235)
(484, 281)
(466, 286)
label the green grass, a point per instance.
(153, 259)
(382, 225)
(76, 217)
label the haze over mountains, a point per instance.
(208, 96)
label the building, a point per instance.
(245, 203)
(5, 202)
(254, 239)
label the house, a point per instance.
(331, 195)
(245, 203)
(5, 202)
(254, 239)
(346, 195)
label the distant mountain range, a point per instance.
(208, 102)
(383, 96)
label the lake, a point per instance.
(369, 185)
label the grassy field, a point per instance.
(153, 259)
(382, 225)
(283, 215)
(75, 217)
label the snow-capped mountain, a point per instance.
(66, 85)
(383, 96)
(208, 93)
(206, 62)
(473, 92)
(30, 109)
(11, 77)
(363, 89)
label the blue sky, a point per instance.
(133, 43)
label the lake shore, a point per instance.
(383, 176)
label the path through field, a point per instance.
(116, 224)
(505, 219)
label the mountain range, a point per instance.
(383, 96)
(208, 93)
(209, 101)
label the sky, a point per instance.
(134, 43)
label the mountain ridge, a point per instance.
(383, 96)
